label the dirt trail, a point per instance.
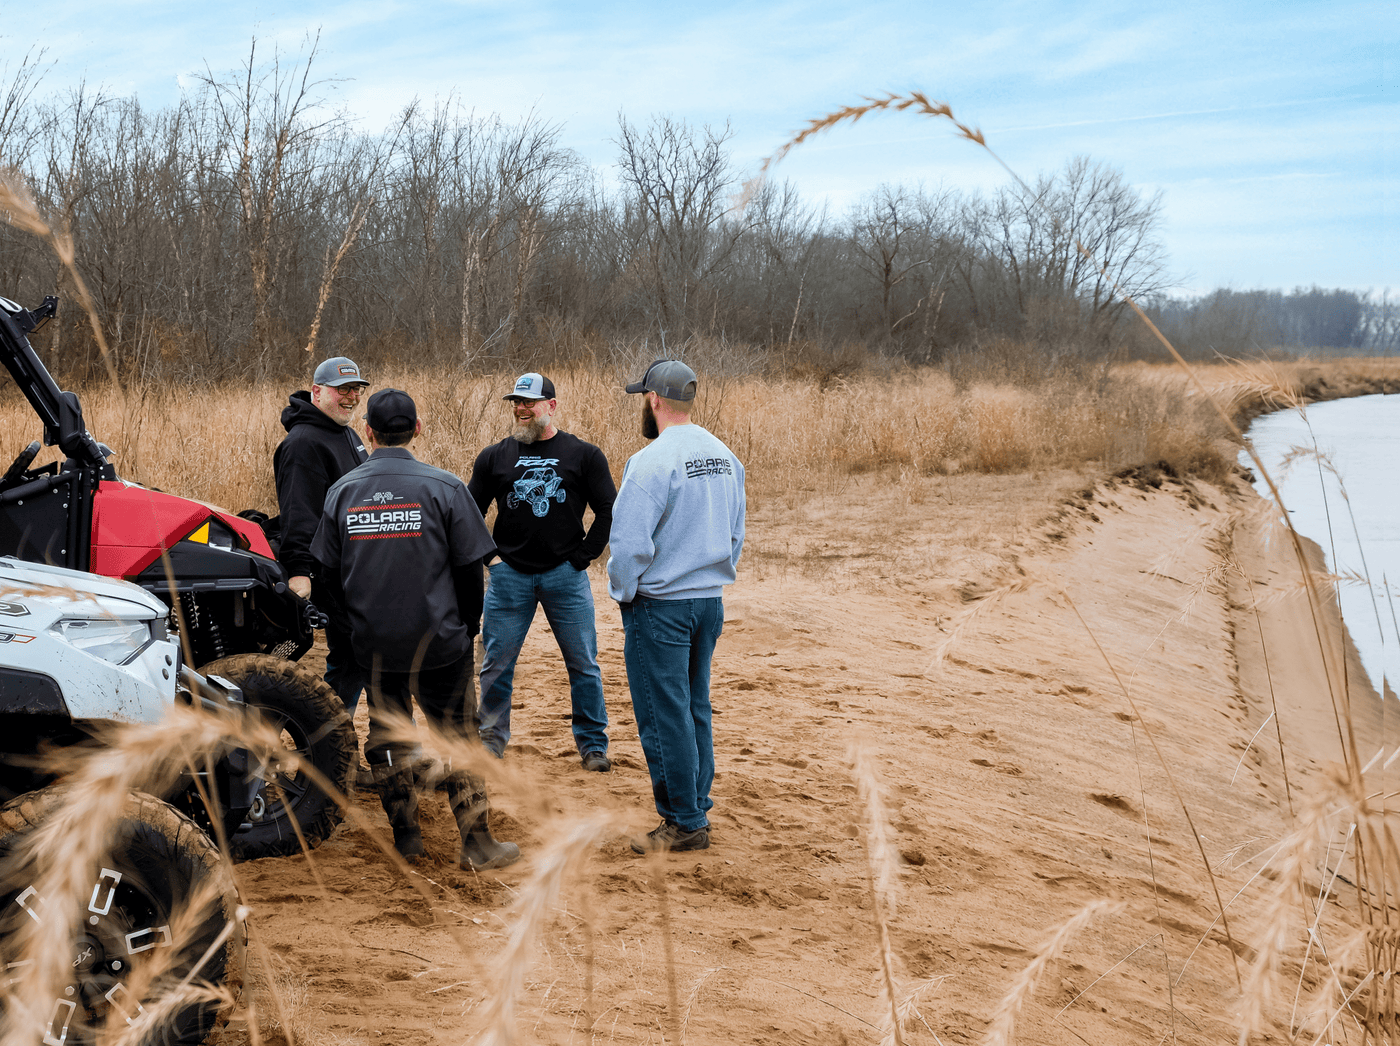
(1021, 785)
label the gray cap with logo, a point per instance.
(338, 371)
(532, 386)
(669, 379)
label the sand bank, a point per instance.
(1045, 701)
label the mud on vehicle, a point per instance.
(226, 594)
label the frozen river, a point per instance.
(1351, 445)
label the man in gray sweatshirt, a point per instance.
(678, 527)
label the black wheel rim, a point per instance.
(125, 926)
(281, 793)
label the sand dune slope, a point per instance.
(1021, 785)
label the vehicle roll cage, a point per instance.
(60, 412)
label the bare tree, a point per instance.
(360, 180)
(678, 180)
(17, 128)
(271, 140)
(1057, 257)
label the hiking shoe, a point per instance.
(597, 762)
(482, 853)
(668, 836)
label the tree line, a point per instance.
(223, 234)
(1245, 323)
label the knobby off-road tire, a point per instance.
(138, 920)
(315, 725)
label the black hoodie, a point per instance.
(315, 454)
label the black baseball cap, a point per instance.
(391, 410)
(669, 379)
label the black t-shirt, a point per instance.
(393, 530)
(540, 490)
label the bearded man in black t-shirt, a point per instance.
(541, 479)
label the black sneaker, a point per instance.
(597, 762)
(671, 837)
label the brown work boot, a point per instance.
(470, 807)
(400, 801)
(669, 837)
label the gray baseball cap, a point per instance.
(669, 379)
(531, 386)
(338, 371)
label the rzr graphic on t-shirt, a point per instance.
(535, 488)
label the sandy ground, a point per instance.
(960, 632)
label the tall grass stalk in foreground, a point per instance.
(882, 858)
(1004, 1019)
(539, 896)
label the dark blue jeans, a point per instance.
(567, 598)
(344, 674)
(445, 696)
(668, 645)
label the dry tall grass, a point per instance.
(793, 435)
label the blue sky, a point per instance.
(1272, 129)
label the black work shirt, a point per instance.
(393, 531)
(540, 490)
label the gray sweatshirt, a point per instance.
(678, 521)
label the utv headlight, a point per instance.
(117, 640)
(216, 535)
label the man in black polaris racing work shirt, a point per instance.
(541, 479)
(405, 542)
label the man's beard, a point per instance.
(649, 427)
(530, 431)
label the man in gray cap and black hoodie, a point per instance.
(320, 447)
(405, 542)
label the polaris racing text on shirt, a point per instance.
(367, 522)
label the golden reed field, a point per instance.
(797, 434)
(1029, 729)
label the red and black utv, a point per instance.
(228, 595)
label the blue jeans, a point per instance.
(567, 598)
(668, 645)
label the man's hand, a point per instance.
(301, 586)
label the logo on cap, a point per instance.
(351, 369)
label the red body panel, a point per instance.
(131, 525)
